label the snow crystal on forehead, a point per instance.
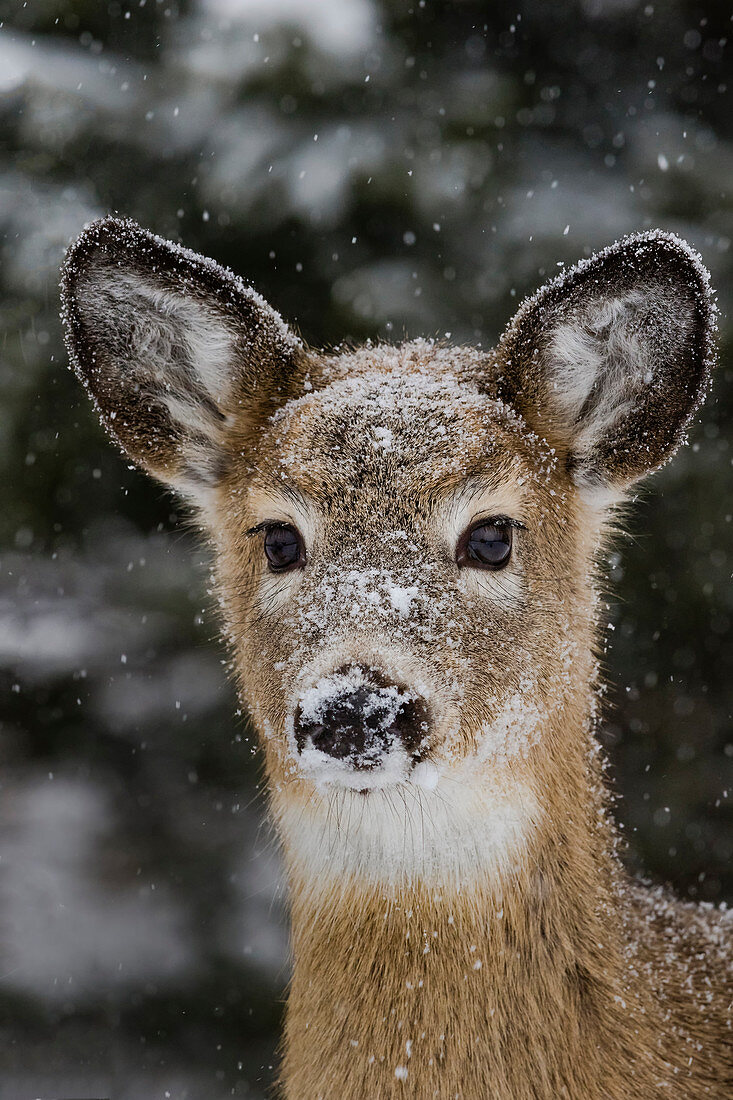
(400, 395)
(402, 417)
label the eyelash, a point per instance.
(268, 525)
(498, 521)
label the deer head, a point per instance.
(405, 536)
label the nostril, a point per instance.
(359, 716)
(409, 724)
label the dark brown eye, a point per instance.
(283, 547)
(486, 546)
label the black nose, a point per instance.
(358, 715)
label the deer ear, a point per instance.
(169, 345)
(611, 359)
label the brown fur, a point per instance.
(480, 940)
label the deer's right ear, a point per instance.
(611, 360)
(169, 345)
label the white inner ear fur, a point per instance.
(609, 348)
(167, 325)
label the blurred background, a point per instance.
(377, 168)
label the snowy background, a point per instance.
(376, 168)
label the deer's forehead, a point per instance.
(398, 427)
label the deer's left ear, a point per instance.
(171, 347)
(611, 359)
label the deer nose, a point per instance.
(359, 716)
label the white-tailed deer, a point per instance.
(406, 540)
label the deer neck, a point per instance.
(468, 989)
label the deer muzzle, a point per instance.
(358, 716)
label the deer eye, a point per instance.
(488, 545)
(283, 547)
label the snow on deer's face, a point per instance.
(404, 537)
(416, 634)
